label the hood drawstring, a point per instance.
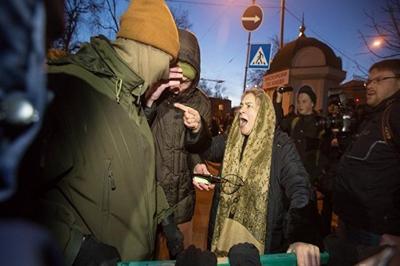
(139, 96)
(118, 88)
(139, 99)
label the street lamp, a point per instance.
(377, 43)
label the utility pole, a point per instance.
(282, 22)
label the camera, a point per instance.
(341, 118)
(284, 89)
(341, 123)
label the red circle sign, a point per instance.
(252, 17)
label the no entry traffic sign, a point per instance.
(252, 17)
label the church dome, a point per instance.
(304, 52)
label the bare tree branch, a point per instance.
(112, 7)
(77, 13)
(98, 17)
(388, 29)
(107, 17)
(181, 18)
(391, 11)
(216, 90)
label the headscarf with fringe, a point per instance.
(242, 216)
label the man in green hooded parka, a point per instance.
(96, 150)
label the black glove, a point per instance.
(244, 254)
(173, 235)
(195, 257)
(95, 253)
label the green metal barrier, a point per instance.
(282, 259)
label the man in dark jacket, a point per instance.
(367, 188)
(96, 151)
(174, 157)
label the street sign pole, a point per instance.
(247, 60)
(282, 23)
(251, 20)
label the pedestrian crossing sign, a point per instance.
(260, 55)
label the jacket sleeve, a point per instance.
(194, 159)
(215, 152)
(302, 219)
(286, 124)
(282, 122)
(198, 142)
(278, 109)
(394, 122)
(150, 113)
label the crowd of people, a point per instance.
(350, 159)
(108, 165)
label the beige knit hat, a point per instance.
(150, 22)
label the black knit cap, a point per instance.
(307, 90)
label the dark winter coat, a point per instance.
(306, 132)
(175, 158)
(97, 155)
(367, 187)
(291, 215)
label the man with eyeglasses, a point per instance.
(367, 186)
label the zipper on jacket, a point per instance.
(105, 202)
(112, 180)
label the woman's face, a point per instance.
(248, 114)
(304, 104)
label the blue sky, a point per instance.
(223, 41)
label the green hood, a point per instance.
(98, 64)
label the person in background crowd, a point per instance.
(366, 194)
(215, 127)
(96, 151)
(330, 151)
(265, 183)
(174, 158)
(228, 122)
(291, 114)
(305, 129)
(359, 115)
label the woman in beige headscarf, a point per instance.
(271, 207)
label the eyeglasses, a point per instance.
(378, 80)
(229, 183)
